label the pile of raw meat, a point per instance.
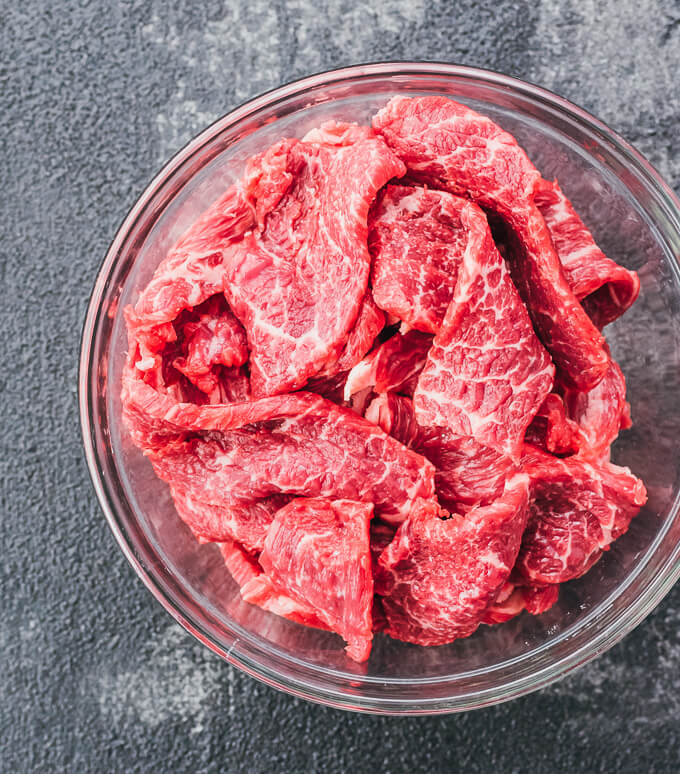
(374, 373)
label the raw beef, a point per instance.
(211, 336)
(331, 382)
(486, 374)
(330, 387)
(258, 589)
(393, 365)
(552, 430)
(242, 565)
(600, 413)
(196, 357)
(239, 518)
(577, 509)
(170, 418)
(261, 591)
(394, 413)
(381, 536)
(417, 242)
(604, 288)
(368, 325)
(205, 361)
(193, 270)
(514, 599)
(317, 552)
(307, 255)
(326, 452)
(538, 599)
(447, 145)
(439, 576)
(467, 474)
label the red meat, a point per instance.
(604, 288)
(577, 509)
(326, 452)
(447, 145)
(234, 518)
(307, 256)
(467, 474)
(368, 325)
(197, 357)
(261, 591)
(552, 430)
(439, 576)
(514, 599)
(242, 565)
(394, 413)
(413, 487)
(600, 413)
(486, 373)
(393, 365)
(417, 243)
(193, 270)
(317, 553)
(258, 589)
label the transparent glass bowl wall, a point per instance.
(635, 219)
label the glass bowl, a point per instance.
(635, 218)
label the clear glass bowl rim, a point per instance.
(327, 686)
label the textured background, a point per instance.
(94, 97)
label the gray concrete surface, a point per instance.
(94, 96)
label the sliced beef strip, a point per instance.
(486, 373)
(307, 255)
(446, 145)
(439, 576)
(152, 411)
(604, 288)
(193, 270)
(257, 588)
(331, 382)
(225, 477)
(417, 241)
(600, 413)
(317, 553)
(577, 509)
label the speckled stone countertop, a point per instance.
(95, 96)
